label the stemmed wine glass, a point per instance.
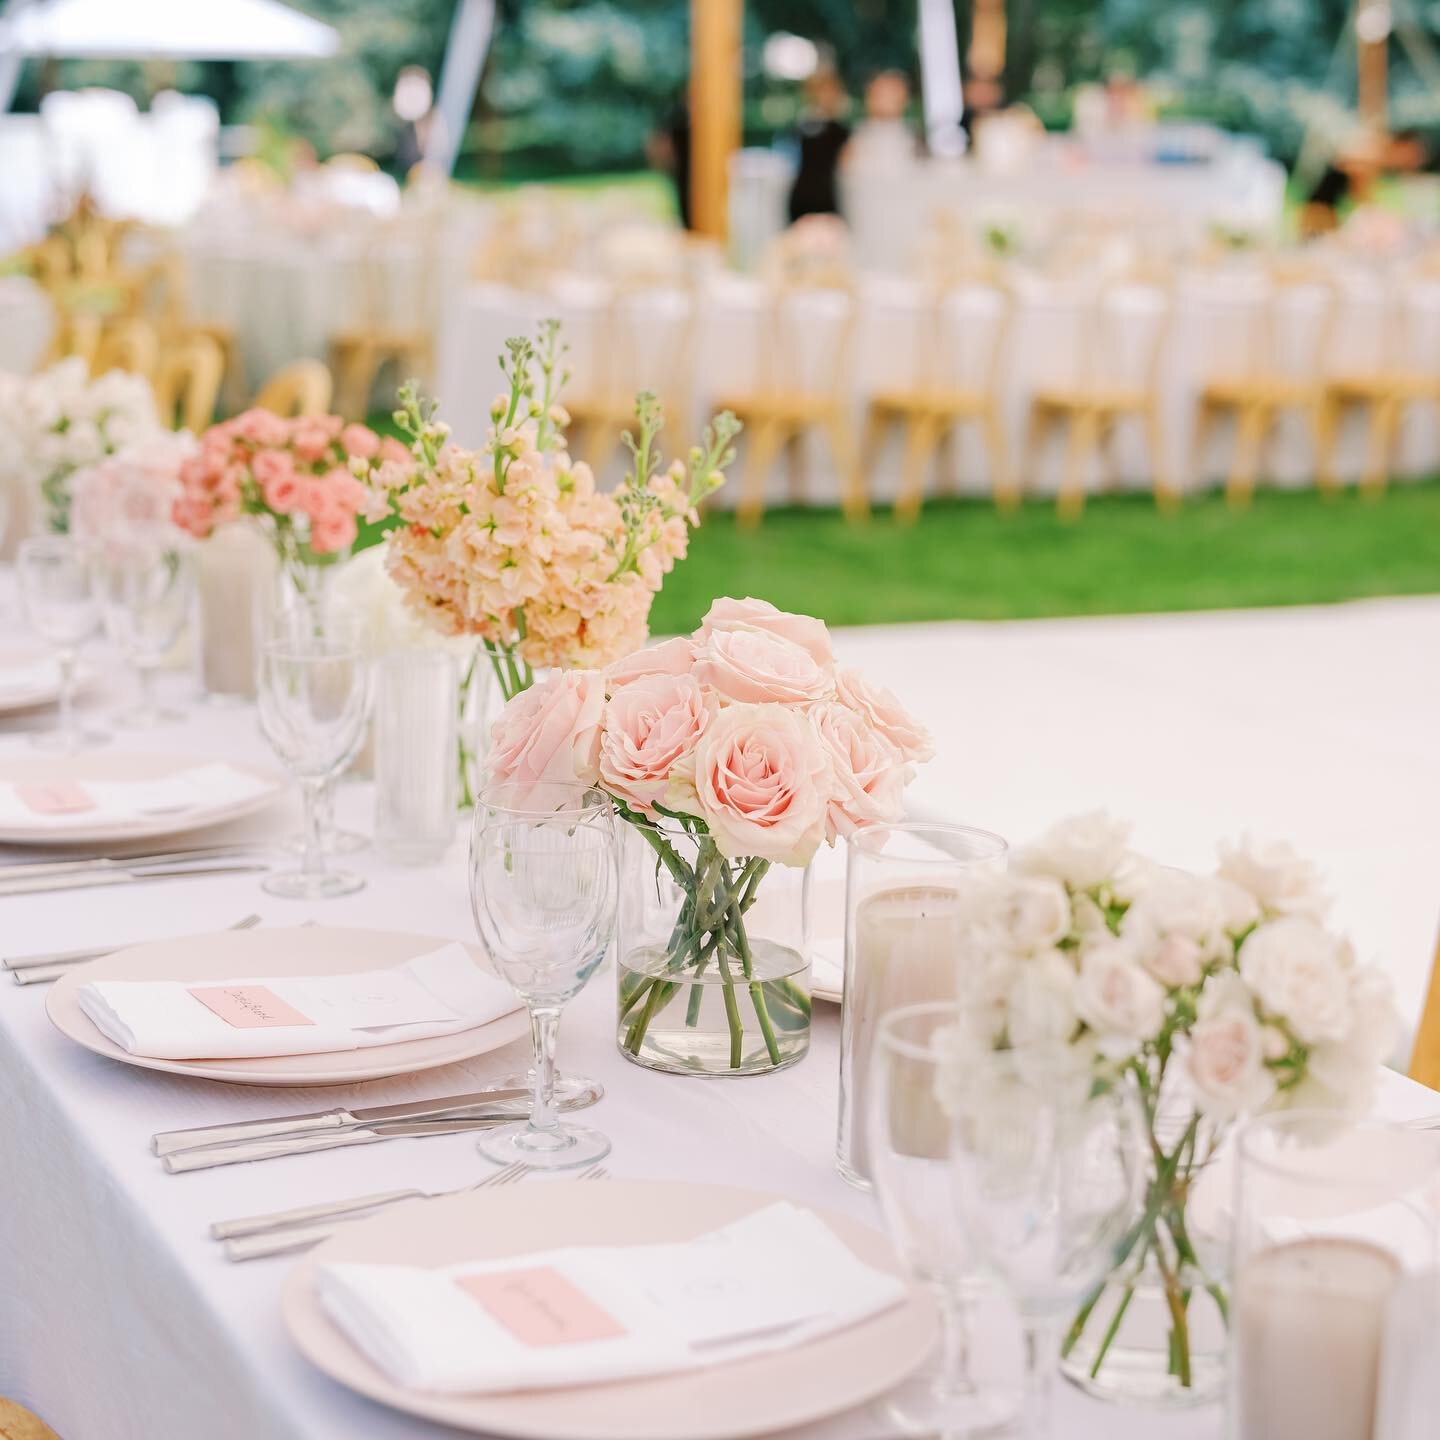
(909, 1140)
(314, 696)
(145, 593)
(542, 888)
(1048, 1169)
(58, 596)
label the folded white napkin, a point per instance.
(66, 804)
(434, 994)
(588, 1314)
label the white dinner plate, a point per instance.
(41, 769)
(757, 1396)
(307, 950)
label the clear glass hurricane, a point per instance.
(57, 594)
(146, 594)
(909, 1162)
(313, 696)
(542, 889)
(1048, 1167)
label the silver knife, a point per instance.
(318, 1121)
(207, 1157)
(88, 879)
(78, 865)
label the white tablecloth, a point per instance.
(121, 1321)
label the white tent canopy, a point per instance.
(164, 29)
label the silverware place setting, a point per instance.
(283, 1232)
(45, 877)
(50, 965)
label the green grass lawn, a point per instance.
(963, 561)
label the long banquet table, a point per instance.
(119, 1318)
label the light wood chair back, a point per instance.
(18, 1423)
(1425, 1056)
(131, 345)
(303, 387)
(187, 383)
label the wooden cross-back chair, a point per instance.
(946, 391)
(303, 387)
(1425, 1057)
(187, 383)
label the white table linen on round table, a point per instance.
(122, 1320)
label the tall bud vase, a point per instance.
(714, 967)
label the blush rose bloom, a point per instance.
(670, 657)
(753, 667)
(882, 710)
(762, 781)
(1117, 999)
(651, 726)
(1300, 973)
(547, 739)
(1226, 1056)
(869, 774)
(805, 631)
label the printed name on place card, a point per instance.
(248, 1007)
(62, 797)
(541, 1307)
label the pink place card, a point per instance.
(60, 797)
(248, 1007)
(541, 1307)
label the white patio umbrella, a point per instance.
(163, 29)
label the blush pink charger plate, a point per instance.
(724, 1402)
(308, 950)
(56, 769)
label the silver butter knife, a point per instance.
(78, 957)
(319, 1121)
(208, 1156)
(79, 865)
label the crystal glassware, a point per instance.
(314, 694)
(1048, 1167)
(909, 1154)
(146, 596)
(416, 769)
(1333, 1299)
(905, 889)
(543, 881)
(57, 594)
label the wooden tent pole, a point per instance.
(716, 28)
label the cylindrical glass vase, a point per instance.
(416, 779)
(904, 895)
(714, 967)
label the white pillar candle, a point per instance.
(905, 948)
(1309, 1323)
(236, 580)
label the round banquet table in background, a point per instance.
(122, 1320)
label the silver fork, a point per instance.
(286, 1231)
(40, 969)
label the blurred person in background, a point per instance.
(667, 148)
(883, 140)
(821, 135)
(413, 102)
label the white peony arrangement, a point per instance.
(1215, 996)
(61, 421)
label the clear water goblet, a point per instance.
(313, 698)
(146, 595)
(908, 1155)
(543, 885)
(1048, 1167)
(57, 595)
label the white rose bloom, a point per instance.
(1299, 973)
(1239, 907)
(1226, 1052)
(1041, 1001)
(363, 587)
(1083, 851)
(1283, 882)
(1087, 919)
(1117, 999)
(1032, 911)
(1177, 927)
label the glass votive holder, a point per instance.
(1333, 1275)
(416, 773)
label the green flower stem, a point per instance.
(1113, 1330)
(732, 1012)
(736, 925)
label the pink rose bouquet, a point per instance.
(303, 479)
(515, 545)
(127, 500)
(731, 751)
